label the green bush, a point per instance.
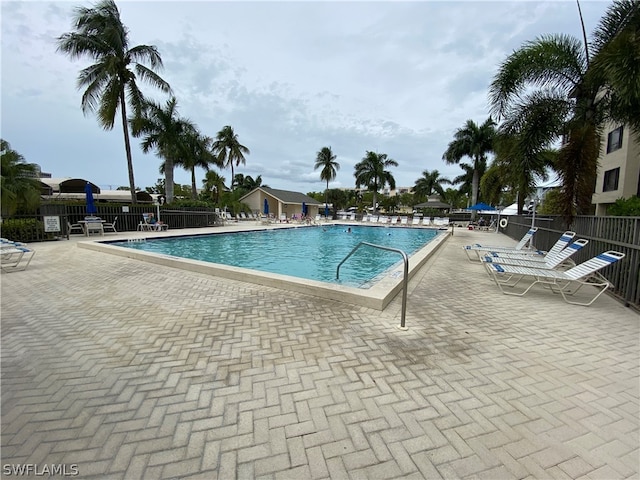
(23, 229)
(625, 207)
(190, 203)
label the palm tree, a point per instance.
(616, 66)
(429, 182)
(554, 75)
(110, 82)
(371, 172)
(214, 184)
(163, 130)
(524, 157)
(197, 154)
(326, 160)
(249, 183)
(229, 150)
(473, 141)
(465, 180)
(19, 185)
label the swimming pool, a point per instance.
(378, 294)
(309, 253)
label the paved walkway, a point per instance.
(123, 369)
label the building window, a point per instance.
(614, 140)
(611, 180)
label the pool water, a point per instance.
(311, 253)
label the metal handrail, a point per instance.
(405, 280)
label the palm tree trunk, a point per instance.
(194, 189)
(127, 147)
(168, 178)
(326, 195)
(232, 176)
(475, 182)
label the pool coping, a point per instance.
(377, 296)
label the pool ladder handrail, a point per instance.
(405, 279)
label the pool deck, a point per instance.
(126, 369)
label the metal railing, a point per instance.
(405, 279)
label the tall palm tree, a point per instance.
(19, 186)
(163, 130)
(429, 182)
(229, 150)
(554, 74)
(326, 160)
(214, 184)
(473, 141)
(111, 82)
(197, 154)
(372, 172)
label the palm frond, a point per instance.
(551, 61)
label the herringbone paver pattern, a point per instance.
(131, 370)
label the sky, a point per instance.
(290, 77)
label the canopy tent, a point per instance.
(481, 207)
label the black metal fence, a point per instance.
(621, 234)
(32, 228)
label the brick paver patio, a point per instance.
(123, 369)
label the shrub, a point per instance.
(23, 229)
(625, 207)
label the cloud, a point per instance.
(290, 77)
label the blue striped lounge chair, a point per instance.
(15, 258)
(555, 259)
(566, 283)
(476, 248)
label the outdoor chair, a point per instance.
(533, 255)
(110, 226)
(524, 241)
(15, 258)
(566, 283)
(548, 261)
(75, 228)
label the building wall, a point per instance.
(617, 167)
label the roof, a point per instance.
(286, 196)
(69, 185)
(122, 196)
(432, 204)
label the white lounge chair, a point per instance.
(533, 255)
(415, 221)
(524, 241)
(566, 283)
(404, 220)
(548, 261)
(15, 258)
